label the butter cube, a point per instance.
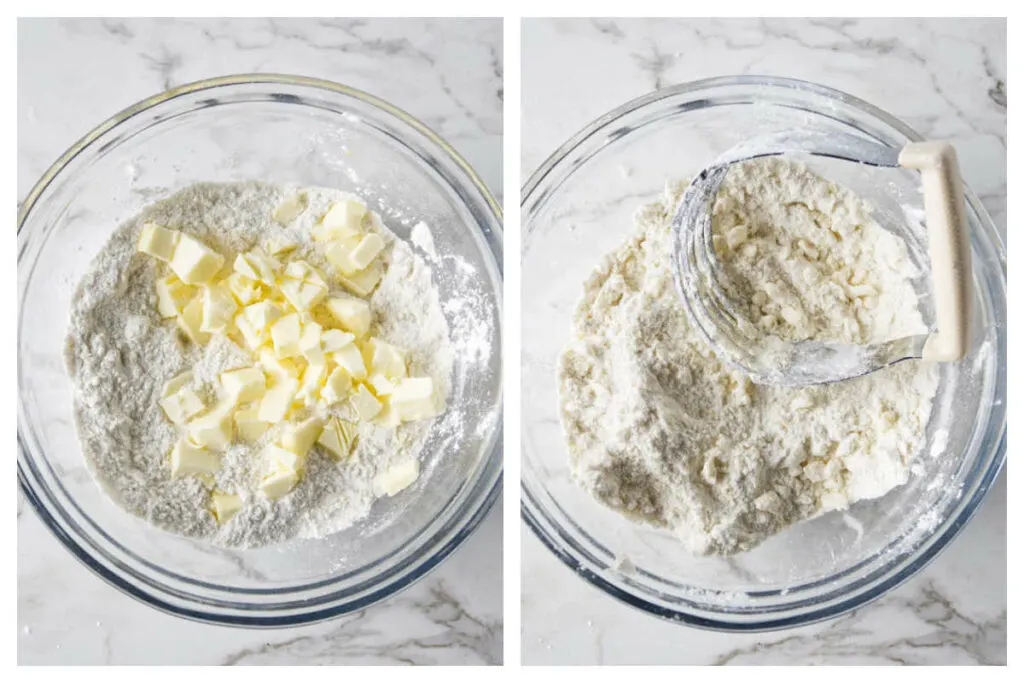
(278, 459)
(365, 281)
(300, 438)
(302, 295)
(277, 368)
(387, 417)
(258, 265)
(397, 478)
(246, 290)
(278, 400)
(279, 483)
(311, 335)
(244, 385)
(262, 315)
(335, 340)
(252, 338)
(313, 377)
(351, 313)
(345, 215)
(388, 360)
(250, 426)
(286, 333)
(382, 386)
(172, 295)
(188, 459)
(181, 405)
(367, 250)
(365, 404)
(194, 262)
(214, 430)
(302, 271)
(158, 242)
(176, 383)
(190, 321)
(290, 208)
(338, 437)
(219, 309)
(413, 399)
(351, 359)
(337, 387)
(340, 255)
(225, 506)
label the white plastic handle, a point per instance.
(949, 247)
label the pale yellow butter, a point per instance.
(158, 242)
(194, 262)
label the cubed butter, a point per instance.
(219, 309)
(276, 246)
(367, 250)
(262, 315)
(382, 386)
(351, 313)
(258, 265)
(413, 399)
(337, 387)
(340, 255)
(365, 281)
(216, 429)
(181, 405)
(350, 358)
(365, 404)
(246, 290)
(194, 262)
(286, 333)
(311, 334)
(299, 438)
(252, 338)
(338, 437)
(387, 417)
(278, 459)
(346, 214)
(225, 506)
(172, 295)
(278, 400)
(388, 360)
(158, 241)
(188, 459)
(335, 340)
(190, 321)
(249, 425)
(397, 478)
(277, 368)
(279, 483)
(290, 208)
(302, 295)
(244, 385)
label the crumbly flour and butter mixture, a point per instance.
(661, 431)
(254, 363)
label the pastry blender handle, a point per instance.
(949, 248)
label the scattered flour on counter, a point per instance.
(661, 431)
(119, 354)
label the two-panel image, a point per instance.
(265, 411)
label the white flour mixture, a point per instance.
(659, 430)
(120, 353)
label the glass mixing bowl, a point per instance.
(576, 208)
(276, 129)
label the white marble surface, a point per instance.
(947, 79)
(72, 74)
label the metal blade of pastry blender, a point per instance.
(695, 267)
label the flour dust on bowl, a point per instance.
(635, 391)
(311, 504)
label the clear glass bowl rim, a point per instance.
(297, 609)
(561, 541)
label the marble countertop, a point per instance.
(945, 78)
(73, 74)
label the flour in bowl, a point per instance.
(661, 431)
(120, 354)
